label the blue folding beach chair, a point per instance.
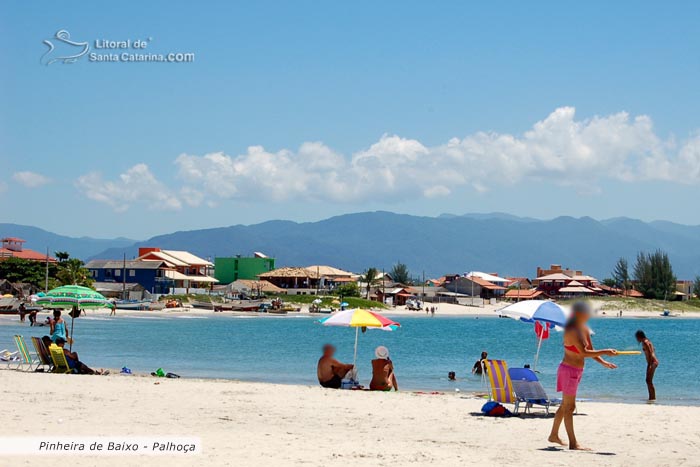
(528, 390)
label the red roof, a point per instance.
(528, 294)
(484, 283)
(25, 254)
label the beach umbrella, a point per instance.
(537, 311)
(74, 297)
(359, 318)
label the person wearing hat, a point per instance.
(577, 347)
(383, 376)
(74, 362)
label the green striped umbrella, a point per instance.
(73, 297)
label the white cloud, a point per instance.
(30, 179)
(136, 185)
(558, 149)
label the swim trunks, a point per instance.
(334, 383)
(568, 379)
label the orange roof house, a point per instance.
(13, 247)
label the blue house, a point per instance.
(153, 276)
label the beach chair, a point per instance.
(60, 364)
(7, 356)
(500, 386)
(528, 390)
(26, 359)
(43, 353)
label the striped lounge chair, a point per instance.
(500, 385)
(60, 364)
(26, 361)
(43, 353)
(528, 390)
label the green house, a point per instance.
(230, 269)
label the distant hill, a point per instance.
(499, 243)
(38, 239)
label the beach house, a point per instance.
(559, 282)
(13, 247)
(231, 269)
(294, 280)
(190, 273)
(153, 276)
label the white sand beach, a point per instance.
(254, 424)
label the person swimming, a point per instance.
(383, 376)
(577, 347)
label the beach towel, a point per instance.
(494, 409)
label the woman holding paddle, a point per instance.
(577, 347)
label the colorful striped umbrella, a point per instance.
(69, 296)
(73, 297)
(359, 318)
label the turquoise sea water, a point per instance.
(285, 350)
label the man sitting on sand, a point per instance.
(330, 371)
(383, 377)
(74, 362)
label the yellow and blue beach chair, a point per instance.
(60, 364)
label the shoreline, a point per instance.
(443, 310)
(263, 424)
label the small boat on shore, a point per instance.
(246, 305)
(133, 305)
(203, 305)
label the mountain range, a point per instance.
(497, 242)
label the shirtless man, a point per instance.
(652, 361)
(383, 376)
(330, 371)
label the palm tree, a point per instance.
(370, 278)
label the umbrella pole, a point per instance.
(72, 322)
(354, 358)
(537, 355)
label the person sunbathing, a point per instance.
(383, 376)
(74, 362)
(330, 371)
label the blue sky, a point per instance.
(304, 110)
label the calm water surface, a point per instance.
(284, 349)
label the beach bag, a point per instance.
(494, 409)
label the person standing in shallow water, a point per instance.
(577, 347)
(652, 362)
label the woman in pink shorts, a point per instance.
(577, 347)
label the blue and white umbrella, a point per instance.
(543, 311)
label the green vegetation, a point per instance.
(66, 272)
(654, 275)
(621, 275)
(327, 301)
(399, 273)
(370, 278)
(348, 290)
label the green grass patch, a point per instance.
(629, 303)
(327, 301)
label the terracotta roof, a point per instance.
(264, 286)
(290, 272)
(25, 254)
(484, 283)
(329, 271)
(524, 294)
(575, 290)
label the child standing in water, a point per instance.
(652, 362)
(577, 347)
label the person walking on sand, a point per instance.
(652, 362)
(577, 347)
